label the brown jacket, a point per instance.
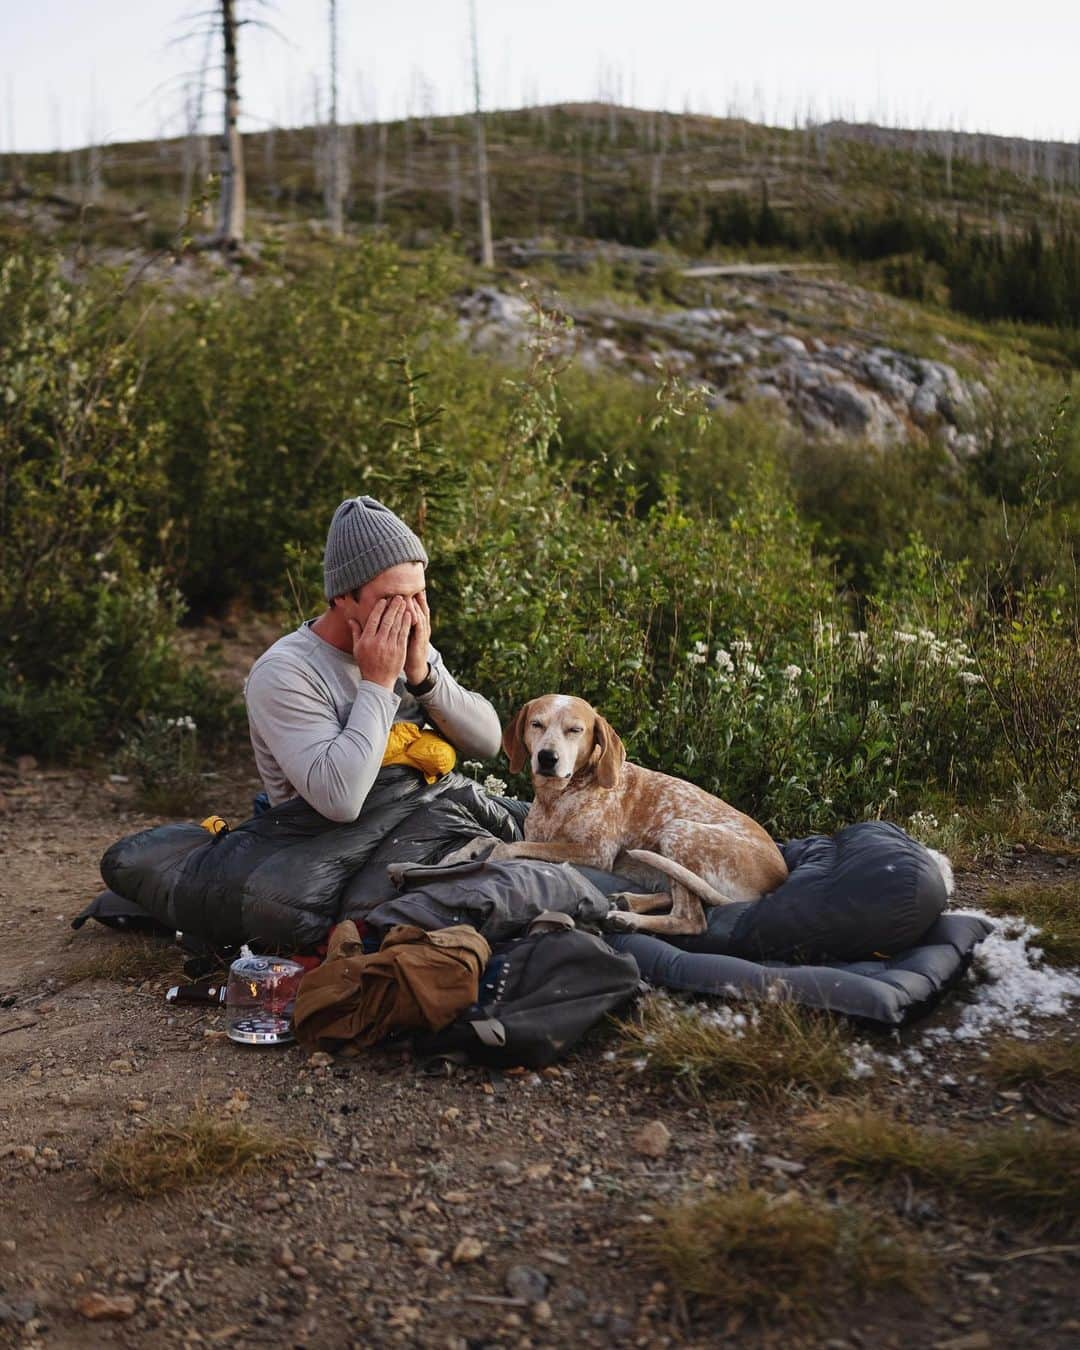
(415, 981)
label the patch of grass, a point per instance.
(164, 1157)
(126, 958)
(763, 1053)
(1054, 910)
(777, 1257)
(1035, 1062)
(1030, 1172)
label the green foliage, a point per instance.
(1021, 275)
(274, 406)
(87, 625)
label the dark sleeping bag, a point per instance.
(285, 877)
(869, 890)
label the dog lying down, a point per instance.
(593, 808)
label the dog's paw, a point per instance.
(621, 921)
(476, 850)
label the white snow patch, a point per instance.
(863, 1061)
(1011, 984)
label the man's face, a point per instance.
(404, 579)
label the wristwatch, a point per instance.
(426, 685)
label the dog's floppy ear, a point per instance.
(513, 740)
(612, 753)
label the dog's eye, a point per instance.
(574, 731)
(535, 723)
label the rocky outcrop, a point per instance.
(854, 387)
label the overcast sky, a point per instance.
(73, 70)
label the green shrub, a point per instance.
(87, 626)
(275, 404)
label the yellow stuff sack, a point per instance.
(424, 750)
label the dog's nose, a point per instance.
(547, 759)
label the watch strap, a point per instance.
(426, 685)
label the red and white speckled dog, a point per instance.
(592, 807)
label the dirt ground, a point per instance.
(354, 1245)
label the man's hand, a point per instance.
(416, 655)
(379, 647)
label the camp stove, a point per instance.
(259, 999)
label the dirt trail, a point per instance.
(355, 1246)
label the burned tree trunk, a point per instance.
(233, 201)
(487, 249)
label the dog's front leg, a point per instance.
(551, 851)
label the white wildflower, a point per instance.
(741, 646)
(473, 765)
(701, 648)
(923, 825)
(792, 673)
(494, 786)
(927, 635)
(905, 638)
(723, 659)
(969, 677)
(753, 669)
(861, 639)
(696, 658)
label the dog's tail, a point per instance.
(677, 872)
(944, 866)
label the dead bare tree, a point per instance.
(232, 209)
(487, 248)
(196, 155)
(335, 169)
(380, 173)
(224, 20)
(454, 184)
(13, 158)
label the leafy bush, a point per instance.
(274, 405)
(87, 626)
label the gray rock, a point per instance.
(527, 1282)
(788, 342)
(924, 406)
(849, 408)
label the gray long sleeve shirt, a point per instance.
(319, 729)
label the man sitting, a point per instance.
(322, 700)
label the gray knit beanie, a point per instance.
(365, 538)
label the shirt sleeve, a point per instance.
(331, 766)
(466, 719)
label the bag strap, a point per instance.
(491, 1032)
